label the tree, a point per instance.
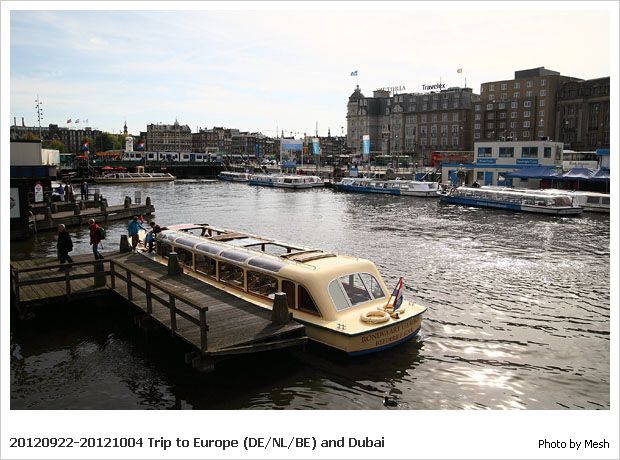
(106, 141)
(31, 137)
(54, 144)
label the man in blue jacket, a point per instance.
(133, 229)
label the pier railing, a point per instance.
(60, 285)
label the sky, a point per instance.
(262, 70)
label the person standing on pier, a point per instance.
(84, 191)
(133, 229)
(64, 246)
(95, 238)
(152, 234)
(61, 192)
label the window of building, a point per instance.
(502, 124)
(444, 104)
(513, 114)
(526, 134)
(455, 104)
(541, 103)
(491, 87)
(528, 152)
(501, 106)
(455, 141)
(527, 104)
(541, 133)
(485, 152)
(517, 85)
(434, 105)
(541, 123)
(477, 126)
(503, 96)
(543, 93)
(491, 97)
(504, 86)
(526, 114)
(547, 152)
(516, 95)
(513, 124)
(490, 125)
(434, 117)
(423, 118)
(528, 94)
(455, 116)
(502, 115)
(424, 106)
(506, 152)
(231, 274)
(477, 107)
(489, 106)
(476, 135)
(526, 124)
(490, 116)
(529, 84)
(514, 104)
(444, 130)
(543, 82)
(444, 117)
(477, 116)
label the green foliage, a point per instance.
(31, 137)
(54, 144)
(107, 141)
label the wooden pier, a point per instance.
(215, 323)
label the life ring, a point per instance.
(375, 316)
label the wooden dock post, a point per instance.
(174, 267)
(127, 202)
(76, 210)
(124, 245)
(99, 278)
(279, 312)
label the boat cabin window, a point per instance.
(231, 274)
(185, 257)
(605, 200)
(305, 301)
(593, 199)
(338, 296)
(288, 288)
(205, 265)
(372, 285)
(355, 289)
(261, 284)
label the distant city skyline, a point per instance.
(273, 69)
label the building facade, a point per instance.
(523, 108)
(168, 138)
(71, 138)
(411, 124)
(582, 114)
(493, 158)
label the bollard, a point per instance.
(279, 312)
(148, 201)
(82, 204)
(96, 196)
(76, 209)
(48, 213)
(104, 205)
(54, 208)
(127, 202)
(124, 246)
(99, 279)
(174, 267)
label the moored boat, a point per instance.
(390, 187)
(512, 200)
(121, 178)
(589, 201)
(342, 300)
(283, 181)
(232, 176)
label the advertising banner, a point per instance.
(366, 144)
(290, 150)
(15, 212)
(38, 193)
(315, 146)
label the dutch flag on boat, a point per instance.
(398, 295)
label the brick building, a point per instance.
(168, 138)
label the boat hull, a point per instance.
(134, 180)
(358, 189)
(517, 207)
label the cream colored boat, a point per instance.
(340, 299)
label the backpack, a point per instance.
(101, 233)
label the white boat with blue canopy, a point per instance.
(342, 300)
(389, 187)
(512, 200)
(290, 181)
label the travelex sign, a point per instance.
(435, 86)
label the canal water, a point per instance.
(518, 312)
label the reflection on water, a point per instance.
(518, 312)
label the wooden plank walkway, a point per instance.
(216, 323)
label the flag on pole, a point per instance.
(77, 120)
(459, 70)
(354, 73)
(69, 121)
(398, 295)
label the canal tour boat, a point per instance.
(342, 300)
(284, 181)
(122, 178)
(512, 200)
(589, 201)
(231, 176)
(390, 187)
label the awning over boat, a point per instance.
(538, 172)
(601, 174)
(578, 174)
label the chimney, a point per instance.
(23, 124)
(15, 121)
